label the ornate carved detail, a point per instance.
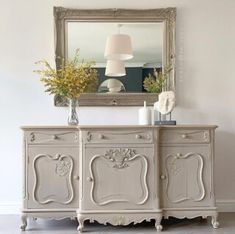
(110, 14)
(127, 136)
(191, 213)
(166, 15)
(89, 136)
(63, 167)
(214, 221)
(186, 216)
(32, 137)
(60, 13)
(196, 135)
(24, 222)
(40, 136)
(80, 225)
(121, 219)
(120, 157)
(206, 136)
(104, 99)
(158, 225)
(178, 170)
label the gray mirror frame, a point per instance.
(165, 15)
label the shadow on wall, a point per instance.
(224, 164)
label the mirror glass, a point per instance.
(147, 44)
(152, 35)
(111, 86)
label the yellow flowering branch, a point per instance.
(155, 83)
(71, 80)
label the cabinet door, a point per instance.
(119, 178)
(52, 176)
(186, 175)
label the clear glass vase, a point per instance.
(73, 116)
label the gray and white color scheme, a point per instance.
(119, 174)
(141, 21)
(205, 81)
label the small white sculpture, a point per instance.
(166, 102)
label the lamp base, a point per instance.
(165, 122)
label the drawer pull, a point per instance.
(184, 136)
(137, 136)
(178, 156)
(114, 102)
(89, 179)
(100, 136)
(57, 156)
(76, 177)
(163, 177)
(55, 137)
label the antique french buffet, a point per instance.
(119, 174)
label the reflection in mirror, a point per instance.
(152, 34)
(147, 44)
(115, 68)
(146, 38)
(111, 86)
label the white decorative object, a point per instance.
(115, 68)
(118, 47)
(111, 86)
(166, 102)
(114, 85)
(118, 174)
(144, 115)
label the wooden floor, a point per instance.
(9, 224)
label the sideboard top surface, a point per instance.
(196, 126)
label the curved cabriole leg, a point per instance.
(24, 222)
(158, 225)
(214, 221)
(80, 225)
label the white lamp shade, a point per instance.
(115, 68)
(118, 47)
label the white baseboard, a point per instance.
(15, 207)
(226, 205)
(10, 208)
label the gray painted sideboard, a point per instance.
(119, 174)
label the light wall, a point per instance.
(205, 81)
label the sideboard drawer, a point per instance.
(184, 136)
(53, 136)
(118, 136)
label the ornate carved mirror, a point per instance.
(152, 34)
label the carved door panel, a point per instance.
(52, 176)
(119, 178)
(186, 176)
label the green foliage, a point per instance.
(71, 80)
(156, 82)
